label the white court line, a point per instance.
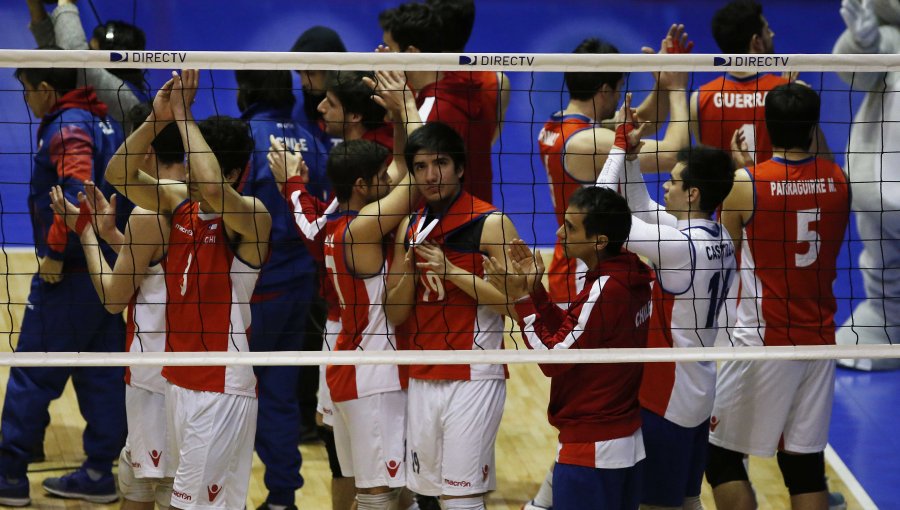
(846, 476)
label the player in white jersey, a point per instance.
(693, 257)
(137, 282)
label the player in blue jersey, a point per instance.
(75, 139)
(287, 282)
(312, 82)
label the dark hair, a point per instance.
(355, 96)
(319, 39)
(436, 138)
(734, 25)
(711, 171)
(230, 141)
(792, 111)
(62, 79)
(167, 145)
(606, 213)
(351, 160)
(272, 88)
(457, 20)
(583, 86)
(119, 35)
(414, 24)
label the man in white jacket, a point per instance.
(873, 167)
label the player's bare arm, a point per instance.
(505, 88)
(737, 209)
(116, 285)
(245, 216)
(124, 169)
(401, 281)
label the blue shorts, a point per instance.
(584, 488)
(676, 459)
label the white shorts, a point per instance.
(213, 434)
(147, 445)
(325, 406)
(765, 406)
(370, 439)
(451, 434)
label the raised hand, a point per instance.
(526, 263)
(66, 210)
(390, 89)
(103, 212)
(162, 107)
(512, 285)
(740, 150)
(861, 21)
(285, 164)
(184, 91)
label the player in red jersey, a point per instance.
(735, 102)
(457, 20)
(450, 98)
(574, 145)
(787, 217)
(218, 242)
(437, 293)
(136, 282)
(595, 408)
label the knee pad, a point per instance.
(326, 434)
(803, 473)
(471, 503)
(139, 490)
(724, 466)
(378, 501)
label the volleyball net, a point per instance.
(523, 186)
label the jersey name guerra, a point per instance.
(364, 325)
(208, 290)
(789, 253)
(686, 304)
(728, 104)
(444, 316)
(565, 276)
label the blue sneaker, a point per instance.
(78, 485)
(14, 494)
(836, 501)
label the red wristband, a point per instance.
(622, 131)
(84, 218)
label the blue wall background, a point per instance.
(515, 26)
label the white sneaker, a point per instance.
(531, 506)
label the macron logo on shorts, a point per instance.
(154, 456)
(213, 491)
(182, 495)
(392, 466)
(713, 423)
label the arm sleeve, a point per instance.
(887, 43)
(72, 152)
(111, 89)
(633, 188)
(669, 249)
(43, 32)
(309, 215)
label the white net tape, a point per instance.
(544, 62)
(433, 62)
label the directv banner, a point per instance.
(174, 57)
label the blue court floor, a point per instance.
(865, 431)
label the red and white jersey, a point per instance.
(727, 104)
(686, 306)
(565, 276)
(145, 330)
(364, 326)
(789, 253)
(208, 290)
(444, 316)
